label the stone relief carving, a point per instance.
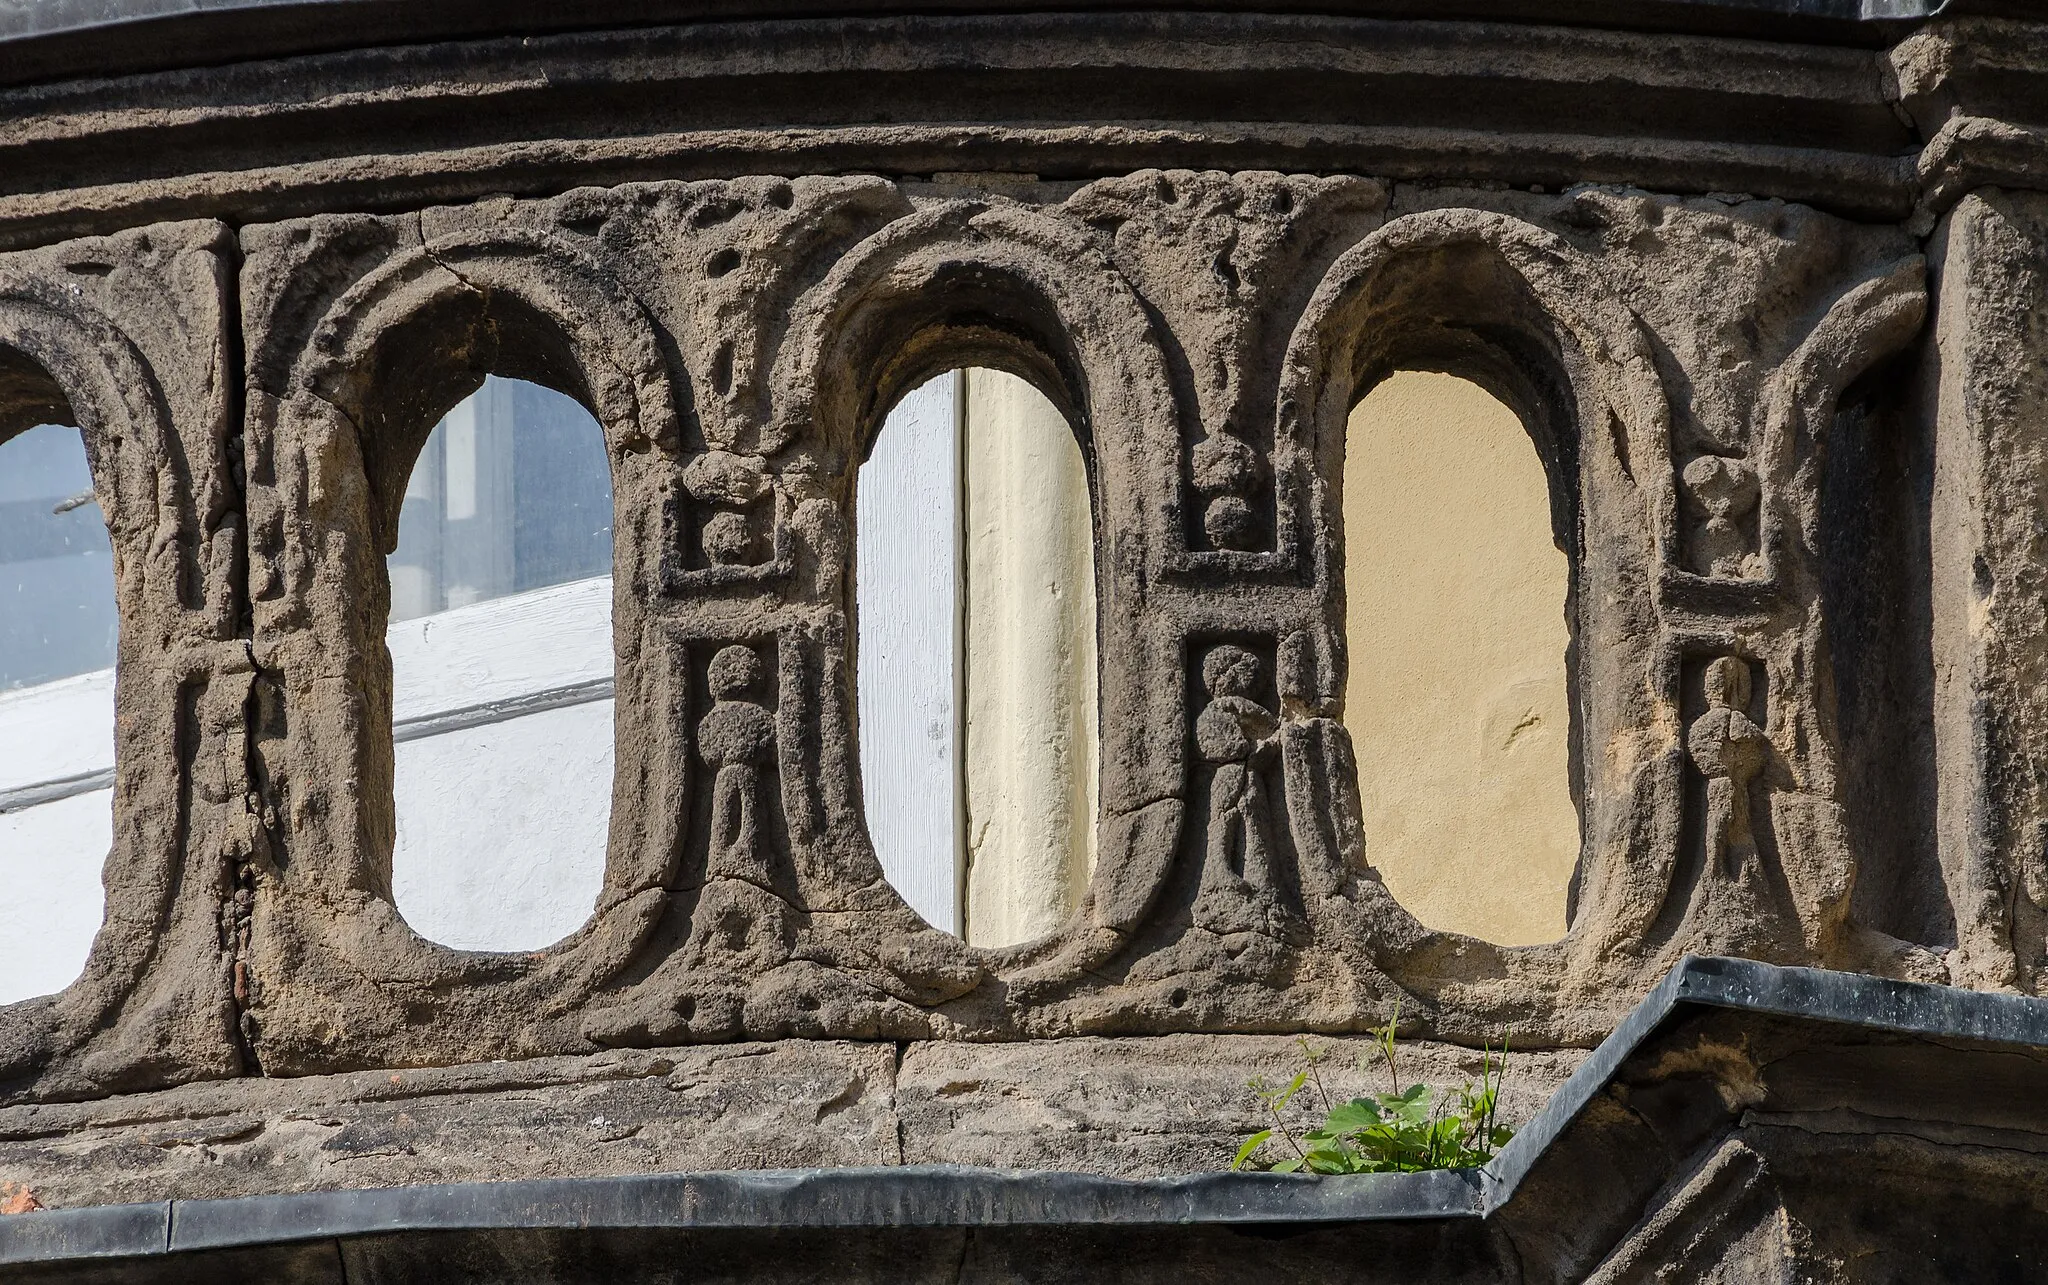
(1721, 500)
(739, 530)
(739, 341)
(736, 738)
(1238, 739)
(1229, 476)
(1731, 751)
(121, 335)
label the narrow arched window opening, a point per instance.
(501, 657)
(976, 667)
(1458, 700)
(57, 641)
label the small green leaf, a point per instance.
(1293, 1087)
(1350, 1117)
(1251, 1144)
(1288, 1165)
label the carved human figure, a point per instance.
(1234, 732)
(735, 738)
(1730, 750)
(1721, 493)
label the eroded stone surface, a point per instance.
(1804, 571)
(795, 1104)
(1137, 1108)
(739, 341)
(1119, 1107)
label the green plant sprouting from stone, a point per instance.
(1404, 1130)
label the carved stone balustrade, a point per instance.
(1767, 284)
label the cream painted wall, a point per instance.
(1457, 702)
(1030, 663)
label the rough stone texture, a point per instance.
(1988, 387)
(1745, 1123)
(734, 1106)
(126, 336)
(1136, 1108)
(1129, 1108)
(1209, 332)
(1802, 522)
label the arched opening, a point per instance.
(501, 657)
(1457, 589)
(58, 631)
(976, 669)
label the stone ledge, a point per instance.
(1133, 1108)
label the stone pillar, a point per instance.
(1989, 554)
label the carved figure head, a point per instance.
(734, 673)
(728, 538)
(1226, 470)
(721, 477)
(1727, 683)
(1720, 487)
(1230, 671)
(1230, 523)
(1225, 464)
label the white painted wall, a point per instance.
(502, 649)
(502, 711)
(502, 821)
(502, 828)
(907, 577)
(56, 710)
(56, 742)
(51, 900)
(57, 730)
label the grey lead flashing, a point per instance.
(1813, 994)
(897, 1196)
(952, 1196)
(106, 1231)
(23, 797)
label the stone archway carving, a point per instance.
(139, 369)
(326, 444)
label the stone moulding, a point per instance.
(1697, 266)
